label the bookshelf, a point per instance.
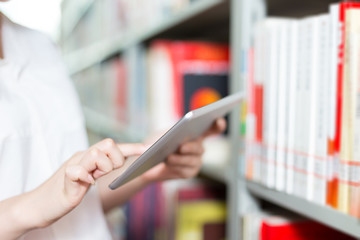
(72, 13)
(105, 126)
(238, 18)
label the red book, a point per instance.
(189, 61)
(279, 228)
(122, 95)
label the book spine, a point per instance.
(266, 101)
(332, 166)
(352, 51)
(259, 68)
(321, 112)
(292, 120)
(161, 87)
(299, 110)
(302, 148)
(345, 120)
(282, 109)
(312, 83)
(250, 154)
(272, 103)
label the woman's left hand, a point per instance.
(187, 161)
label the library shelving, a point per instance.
(232, 21)
(194, 17)
(72, 13)
(106, 126)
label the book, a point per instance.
(283, 107)
(214, 231)
(303, 89)
(196, 208)
(317, 160)
(145, 214)
(136, 91)
(333, 162)
(121, 95)
(254, 114)
(184, 75)
(269, 225)
(343, 133)
(292, 98)
(351, 76)
(161, 99)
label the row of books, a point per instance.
(148, 90)
(277, 224)
(303, 107)
(121, 18)
(180, 210)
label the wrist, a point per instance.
(18, 216)
(28, 212)
(145, 180)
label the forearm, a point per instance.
(19, 215)
(112, 198)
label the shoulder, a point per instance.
(32, 44)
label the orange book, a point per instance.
(338, 182)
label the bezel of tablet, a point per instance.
(190, 126)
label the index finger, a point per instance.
(132, 149)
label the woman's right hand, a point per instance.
(73, 179)
(64, 190)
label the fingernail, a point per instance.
(91, 179)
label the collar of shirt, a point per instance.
(15, 59)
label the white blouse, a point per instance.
(41, 126)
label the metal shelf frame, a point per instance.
(105, 126)
(74, 11)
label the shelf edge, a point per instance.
(323, 214)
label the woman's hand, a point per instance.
(67, 187)
(187, 161)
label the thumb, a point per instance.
(217, 127)
(77, 180)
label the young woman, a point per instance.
(47, 171)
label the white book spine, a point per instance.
(312, 83)
(292, 121)
(282, 105)
(271, 101)
(301, 102)
(161, 89)
(264, 160)
(259, 68)
(319, 149)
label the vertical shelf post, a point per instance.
(243, 15)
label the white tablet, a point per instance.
(189, 127)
